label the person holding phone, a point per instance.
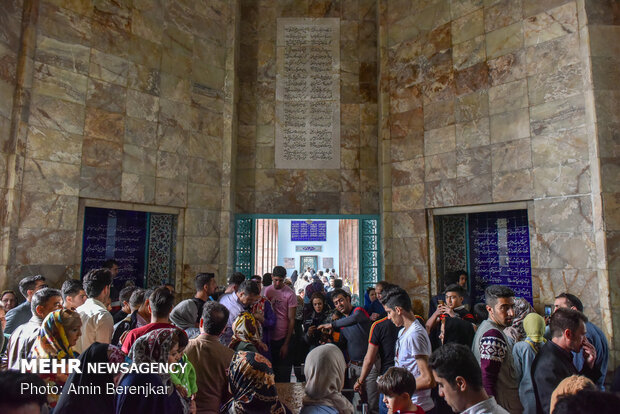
(451, 278)
(452, 308)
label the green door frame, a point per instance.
(369, 243)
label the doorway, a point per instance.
(349, 245)
(311, 262)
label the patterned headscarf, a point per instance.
(522, 309)
(71, 402)
(115, 354)
(252, 385)
(52, 341)
(246, 329)
(259, 305)
(155, 347)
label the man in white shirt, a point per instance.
(97, 322)
(459, 378)
(413, 346)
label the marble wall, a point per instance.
(128, 103)
(169, 106)
(602, 29)
(15, 70)
(484, 101)
(351, 189)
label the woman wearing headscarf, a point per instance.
(372, 305)
(523, 354)
(158, 346)
(252, 385)
(320, 315)
(59, 332)
(70, 403)
(325, 369)
(8, 299)
(515, 332)
(247, 334)
(185, 318)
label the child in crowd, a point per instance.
(397, 385)
(183, 380)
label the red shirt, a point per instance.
(143, 330)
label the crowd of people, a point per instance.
(237, 343)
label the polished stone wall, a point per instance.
(15, 69)
(351, 188)
(169, 106)
(602, 29)
(128, 105)
(485, 101)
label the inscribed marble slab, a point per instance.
(308, 94)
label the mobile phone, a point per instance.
(547, 311)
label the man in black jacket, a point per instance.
(594, 334)
(554, 362)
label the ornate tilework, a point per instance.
(161, 262)
(370, 253)
(451, 245)
(454, 244)
(243, 246)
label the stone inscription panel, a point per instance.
(308, 94)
